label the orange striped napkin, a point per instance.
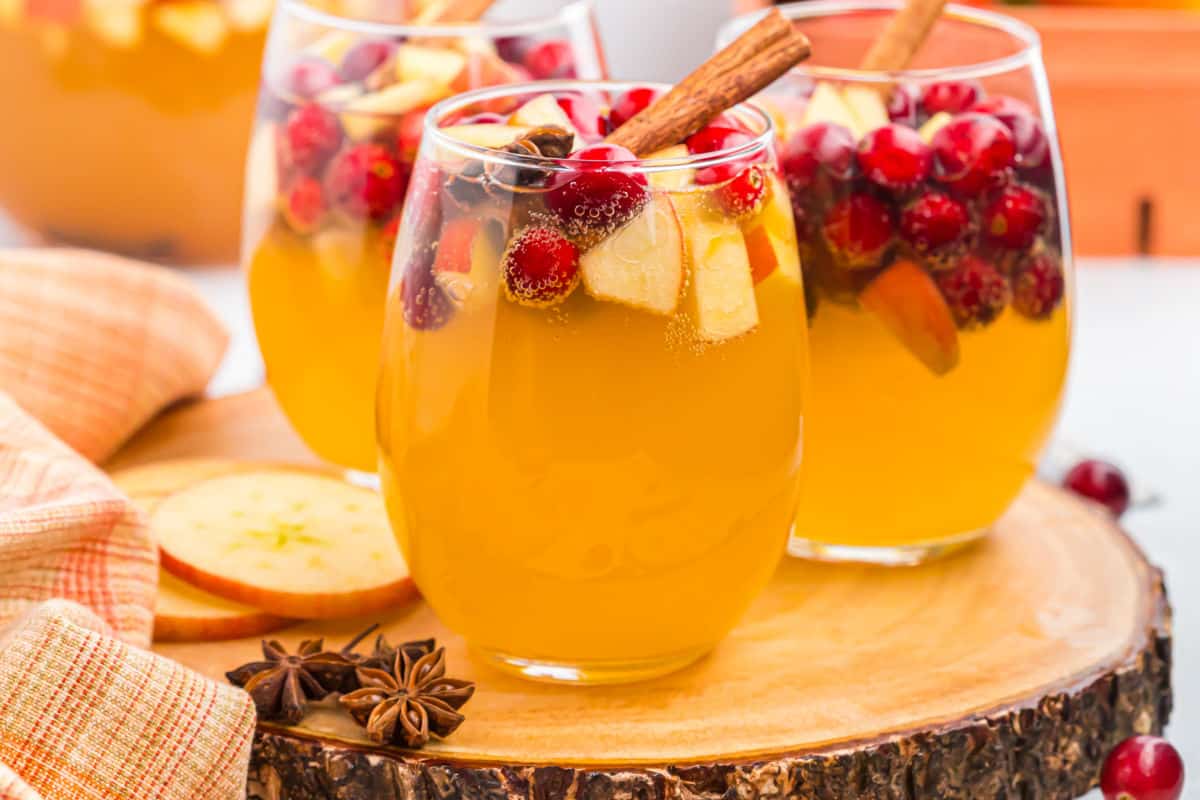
(92, 346)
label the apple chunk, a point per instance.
(672, 179)
(771, 237)
(827, 104)
(294, 543)
(374, 113)
(866, 103)
(907, 301)
(641, 265)
(493, 135)
(440, 65)
(541, 111)
(467, 263)
(722, 301)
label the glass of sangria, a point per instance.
(340, 118)
(133, 121)
(593, 381)
(936, 253)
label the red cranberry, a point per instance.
(541, 267)
(975, 291)
(304, 205)
(630, 104)
(933, 220)
(972, 152)
(409, 131)
(713, 139)
(1029, 137)
(550, 60)
(367, 181)
(309, 77)
(513, 48)
(902, 105)
(1039, 286)
(1013, 217)
(1143, 768)
(589, 199)
(364, 58)
(950, 96)
(743, 195)
(858, 229)
(425, 305)
(310, 136)
(1101, 482)
(585, 115)
(822, 144)
(895, 157)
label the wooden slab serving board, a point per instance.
(1007, 671)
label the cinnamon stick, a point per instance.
(902, 36)
(748, 65)
(450, 11)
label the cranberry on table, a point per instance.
(858, 229)
(549, 60)
(1013, 217)
(541, 267)
(364, 58)
(367, 181)
(933, 220)
(824, 145)
(950, 96)
(311, 135)
(713, 139)
(972, 152)
(744, 194)
(309, 77)
(975, 291)
(1142, 768)
(1102, 482)
(894, 157)
(630, 103)
(1039, 286)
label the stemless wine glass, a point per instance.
(936, 252)
(132, 123)
(340, 117)
(592, 388)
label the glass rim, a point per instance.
(1030, 41)
(433, 132)
(567, 11)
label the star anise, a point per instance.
(381, 657)
(477, 179)
(283, 683)
(411, 702)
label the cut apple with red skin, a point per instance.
(294, 543)
(642, 264)
(906, 300)
(541, 111)
(771, 237)
(183, 613)
(467, 262)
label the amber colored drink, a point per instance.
(591, 462)
(132, 123)
(330, 161)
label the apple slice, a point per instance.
(541, 111)
(485, 68)
(906, 300)
(494, 135)
(675, 179)
(374, 113)
(183, 613)
(933, 125)
(436, 64)
(196, 24)
(771, 237)
(867, 106)
(467, 263)
(295, 543)
(722, 301)
(641, 265)
(828, 105)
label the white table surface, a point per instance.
(1133, 397)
